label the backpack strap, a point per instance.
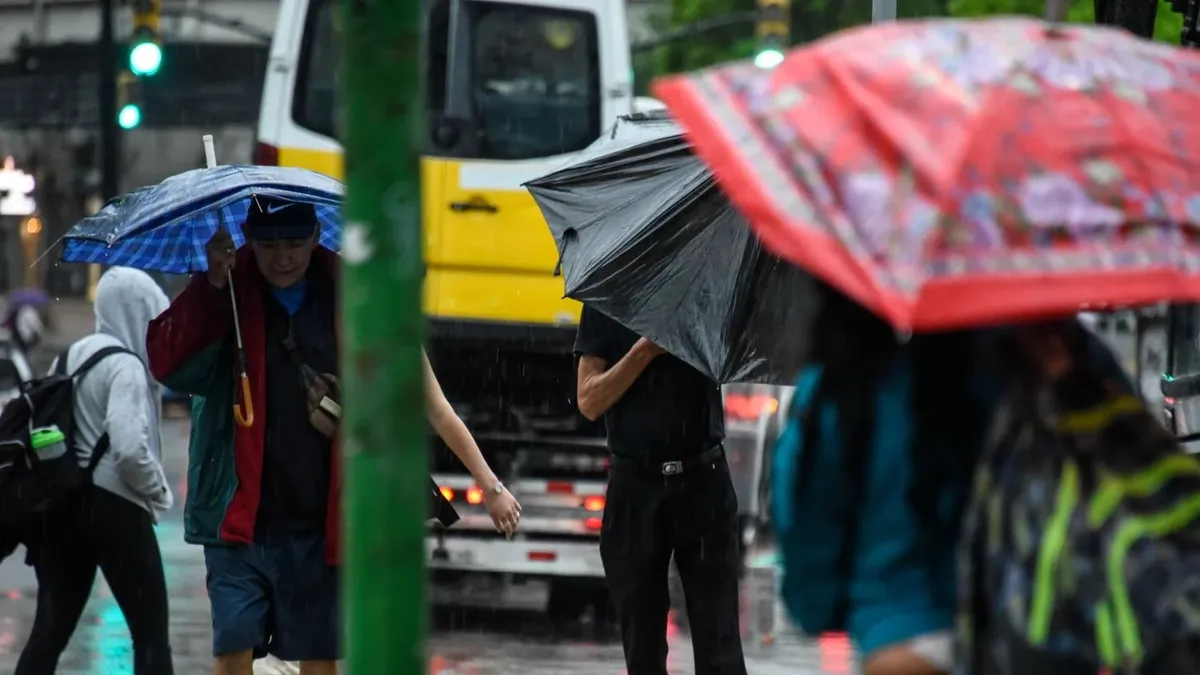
(98, 452)
(102, 443)
(93, 360)
(60, 363)
(292, 347)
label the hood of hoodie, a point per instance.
(126, 301)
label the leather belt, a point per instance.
(676, 467)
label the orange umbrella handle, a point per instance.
(248, 419)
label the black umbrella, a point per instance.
(645, 236)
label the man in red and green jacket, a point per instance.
(262, 493)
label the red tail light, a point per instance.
(447, 493)
(474, 495)
(593, 524)
(559, 488)
(265, 154)
(837, 655)
(594, 503)
(748, 408)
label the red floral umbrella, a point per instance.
(960, 173)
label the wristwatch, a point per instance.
(498, 488)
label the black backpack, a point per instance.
(39, 463)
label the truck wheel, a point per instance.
(567, 602)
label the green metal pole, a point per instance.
(386, 479)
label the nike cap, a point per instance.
(268, 219)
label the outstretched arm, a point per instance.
(453, 432)
(129, 428)
(501, 505)
(184, 342)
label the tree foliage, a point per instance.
(813, 19)
(725, 44)
(1166, 28)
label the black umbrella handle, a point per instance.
(562, 250)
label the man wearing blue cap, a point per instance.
(263, 496)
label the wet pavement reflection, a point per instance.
(462, 643)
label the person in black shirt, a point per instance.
(669, 493)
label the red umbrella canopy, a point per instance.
(952, 173)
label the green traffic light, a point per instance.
(130, 116)
(145, 58)
(768, 58)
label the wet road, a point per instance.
(463, 643)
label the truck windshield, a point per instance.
(534, 77)
(534, 80)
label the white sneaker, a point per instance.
(273, 666)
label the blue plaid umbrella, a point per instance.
(164, 228)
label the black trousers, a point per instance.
(98, 530)
(693, 515)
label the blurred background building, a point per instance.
(215, 53)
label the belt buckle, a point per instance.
(672, 468)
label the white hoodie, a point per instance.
(118, 396)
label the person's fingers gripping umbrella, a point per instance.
(169, 227)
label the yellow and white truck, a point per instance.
(513, 88)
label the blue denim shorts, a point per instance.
(276, 596)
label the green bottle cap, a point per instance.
(46, 436)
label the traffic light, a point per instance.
(129, 101)
(130, 116)
(774, 32)
(145, 49)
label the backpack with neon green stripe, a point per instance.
(1080, 550)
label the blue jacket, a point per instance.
(898, 588)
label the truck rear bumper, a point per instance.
(518, 556)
